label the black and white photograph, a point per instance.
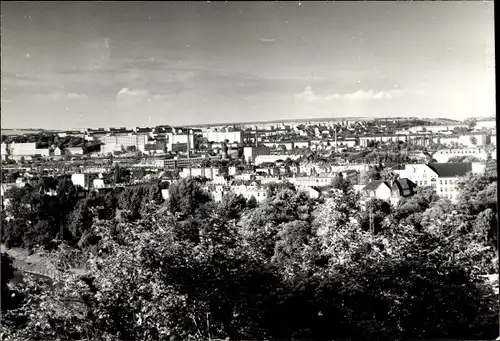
(248, 170)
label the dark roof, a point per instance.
(372, 186)
(403, 184)
(449, 170)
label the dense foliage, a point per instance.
(287, 268)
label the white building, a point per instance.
(110, 148)
(209, 173)
(179, 139)
(442, 176)
(443, 155)
(221, 136)
(250, 153)
(435, 128)
(4, 151)
(309, 181)
(74, 150)
(23, 149)
(491, 124)
(126, 140)
(302, 144)
(273, 158)
(98, 183)
(82, 180)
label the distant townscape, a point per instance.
(241, 158)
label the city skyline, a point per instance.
(141, 64)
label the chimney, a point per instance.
(188, 144)
(336, 145)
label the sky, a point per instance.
(112, 64)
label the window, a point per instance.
(446, 182)
(425, 182)
(441, 189)
(440, 182)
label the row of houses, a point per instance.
(27, 151)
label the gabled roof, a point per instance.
(449, 170)
(372, 186)
(403, 184)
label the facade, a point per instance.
(209, 173)
(178, 140)
(313, 181)
(221, 136)
(273, 158)
(126, 140)
(365, 140)
(285, 145)
(23, 149)
(83, 180)
(443, 155)
(246, 191)
(74, 151)
(302, 144)
(110, 148)
(3, 151)
(250, 153)
(491, 124)
(435, 128)
(378, 189)
(441, 176)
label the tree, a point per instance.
(252, 202)
(9, 299)
(185, 197)
(485, 226)
(477, 192)
(471, 122)
(233, 205)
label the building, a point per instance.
(364, 141)
(435, 128)
(126, 140)
(250, 153)
(177, 140)
(186, 162)
(441, 176)
(4, 151)
(301, 144)
(313, 181)
(448, 175)
(390, 191)
(378, 189)
(209, 173)
(83, 180)
(222, 136)
(74, 151)
(279, 144)
(490, 124)
(443, 155)
(110, 148)
(22, 149)
(273, 158)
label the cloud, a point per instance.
(308, 95)
(127, 97)
(362, 95)
(76, 96)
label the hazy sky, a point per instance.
(80, 64)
